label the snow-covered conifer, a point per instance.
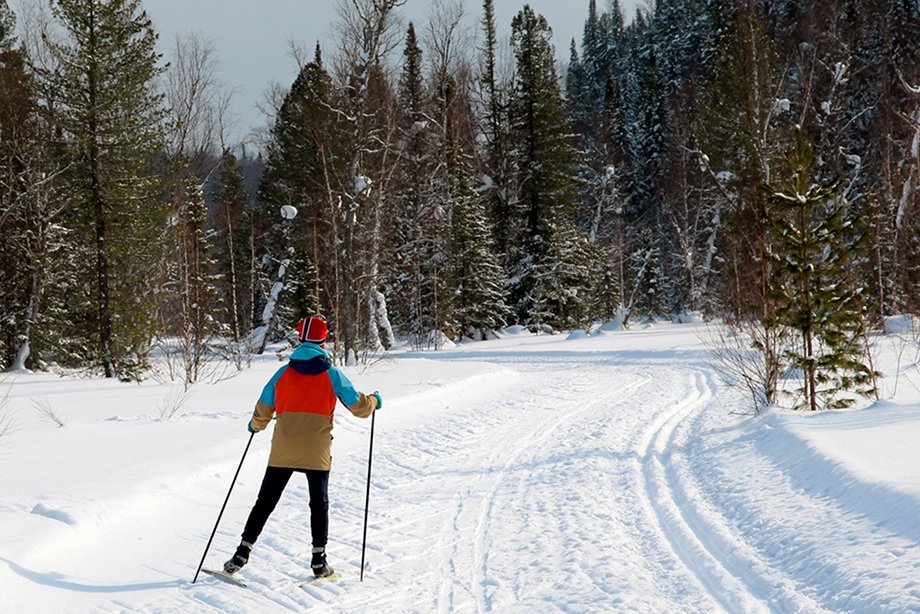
(232, 224)
(543, 257)
(34, 243)
(816, 285)
(101, 96)
(302, 158)
(190, 307)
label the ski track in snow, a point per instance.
(621, 481)
(511, 494)
(733, 576)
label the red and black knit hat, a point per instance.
(312, 329)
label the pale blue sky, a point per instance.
(252, 38)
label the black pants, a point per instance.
(276, 478)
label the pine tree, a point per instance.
(103, 101)
(302, 159)
(600, 122)
(300, 296)
(544, 261)
(574, 81)
(566, 277)
(299, 153)
(16, 106)
(738, 134)
(412, 224)
(366, 102)
(189, 308)
(593, 45)
(438, 148)
(477, 275)
(496, 163)
(600, 46)
(7, 27)
(232, 223)
(31, 240)
(815, 248)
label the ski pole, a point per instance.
(223, 507)
(367, 499)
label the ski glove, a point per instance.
(250, 429)
(379, 398)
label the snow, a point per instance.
(487, 184)
(688, 317)
(363, 185)
(900, 324)
(608, 472)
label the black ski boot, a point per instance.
(240, 558)
(321, 568)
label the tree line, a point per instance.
(745, 160)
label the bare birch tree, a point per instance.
(367, 34)
(199, 101)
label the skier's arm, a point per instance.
(360, 404)
(265, 406)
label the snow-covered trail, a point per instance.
(580, 472)
(595, 479)
(620, 482)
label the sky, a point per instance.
(602, 473)
(252, 38)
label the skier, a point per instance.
(302, 394)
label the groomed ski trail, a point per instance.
(590, 428)
(621, 478)
(732, 574)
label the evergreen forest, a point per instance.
(751, 162)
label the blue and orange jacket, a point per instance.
(303, 394)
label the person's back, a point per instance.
(302, 397)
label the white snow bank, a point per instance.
(874, 445)
(54, 514)
(900, 325)
(611, 326)
(688, 317)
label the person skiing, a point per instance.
(302, 394)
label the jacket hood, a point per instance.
(310, 359)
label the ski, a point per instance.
(334, 576)
(224, 576)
